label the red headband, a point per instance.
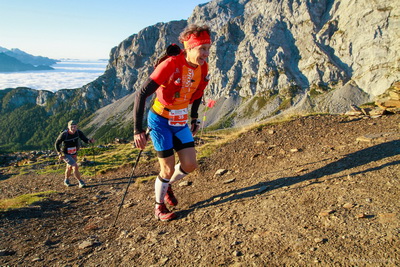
(193, 40)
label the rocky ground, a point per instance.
(313, 191)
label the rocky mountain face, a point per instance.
(275, 57)
(269, 58)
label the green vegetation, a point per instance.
(94, 160)
(254, 106)
(318, 89)
(23, 200)
(225, 122)
(101, 159)
(30, 127)
(290, 91)
(368, 105)
(211, 141)
(119, 155)
(141, 180)
(25, 125)
(286, 103)
(111, 157)
(108, 132)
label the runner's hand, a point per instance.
(194, 126)
(140, 140)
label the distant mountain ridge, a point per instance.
(17, 60)
(269, 58)
(11, 64)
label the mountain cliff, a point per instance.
(269, 58)
(272, 57)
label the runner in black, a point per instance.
(67, 146)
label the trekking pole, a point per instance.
(130, 179)
(94, 161)
(209, 104)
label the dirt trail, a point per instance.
(314, 191)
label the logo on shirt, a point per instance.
(187, 80)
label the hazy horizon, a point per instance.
(67, 74)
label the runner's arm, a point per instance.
(159, 76)
(140, 97)
(195, 108)
(58, 142)
(83, 137)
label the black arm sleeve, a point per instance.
(83, 137)
(195, 107)
(147, 90)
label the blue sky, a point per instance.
(82, 29)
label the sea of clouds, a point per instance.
(68, 74)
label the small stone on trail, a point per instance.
(319, 240)
(326, 212)
(229, 181)
(123, 234)
(237, 253)
(364, 138)
(185, 183)
(86, 244)
(163, 261)
(348, 206)
(301, 170)
(220, 172)
(235, 243)
(128, 205)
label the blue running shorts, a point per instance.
(167, 138)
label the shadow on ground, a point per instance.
(356, 159)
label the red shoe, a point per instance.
(163, 214)
(170, 197)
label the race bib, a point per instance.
(71, 150)
(178, 117)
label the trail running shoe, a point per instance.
(82, 184)
(66, 182)
(163, 214)
(170, 197)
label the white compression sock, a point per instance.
(178, 174)
(160, 188)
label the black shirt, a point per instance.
(69, 143)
